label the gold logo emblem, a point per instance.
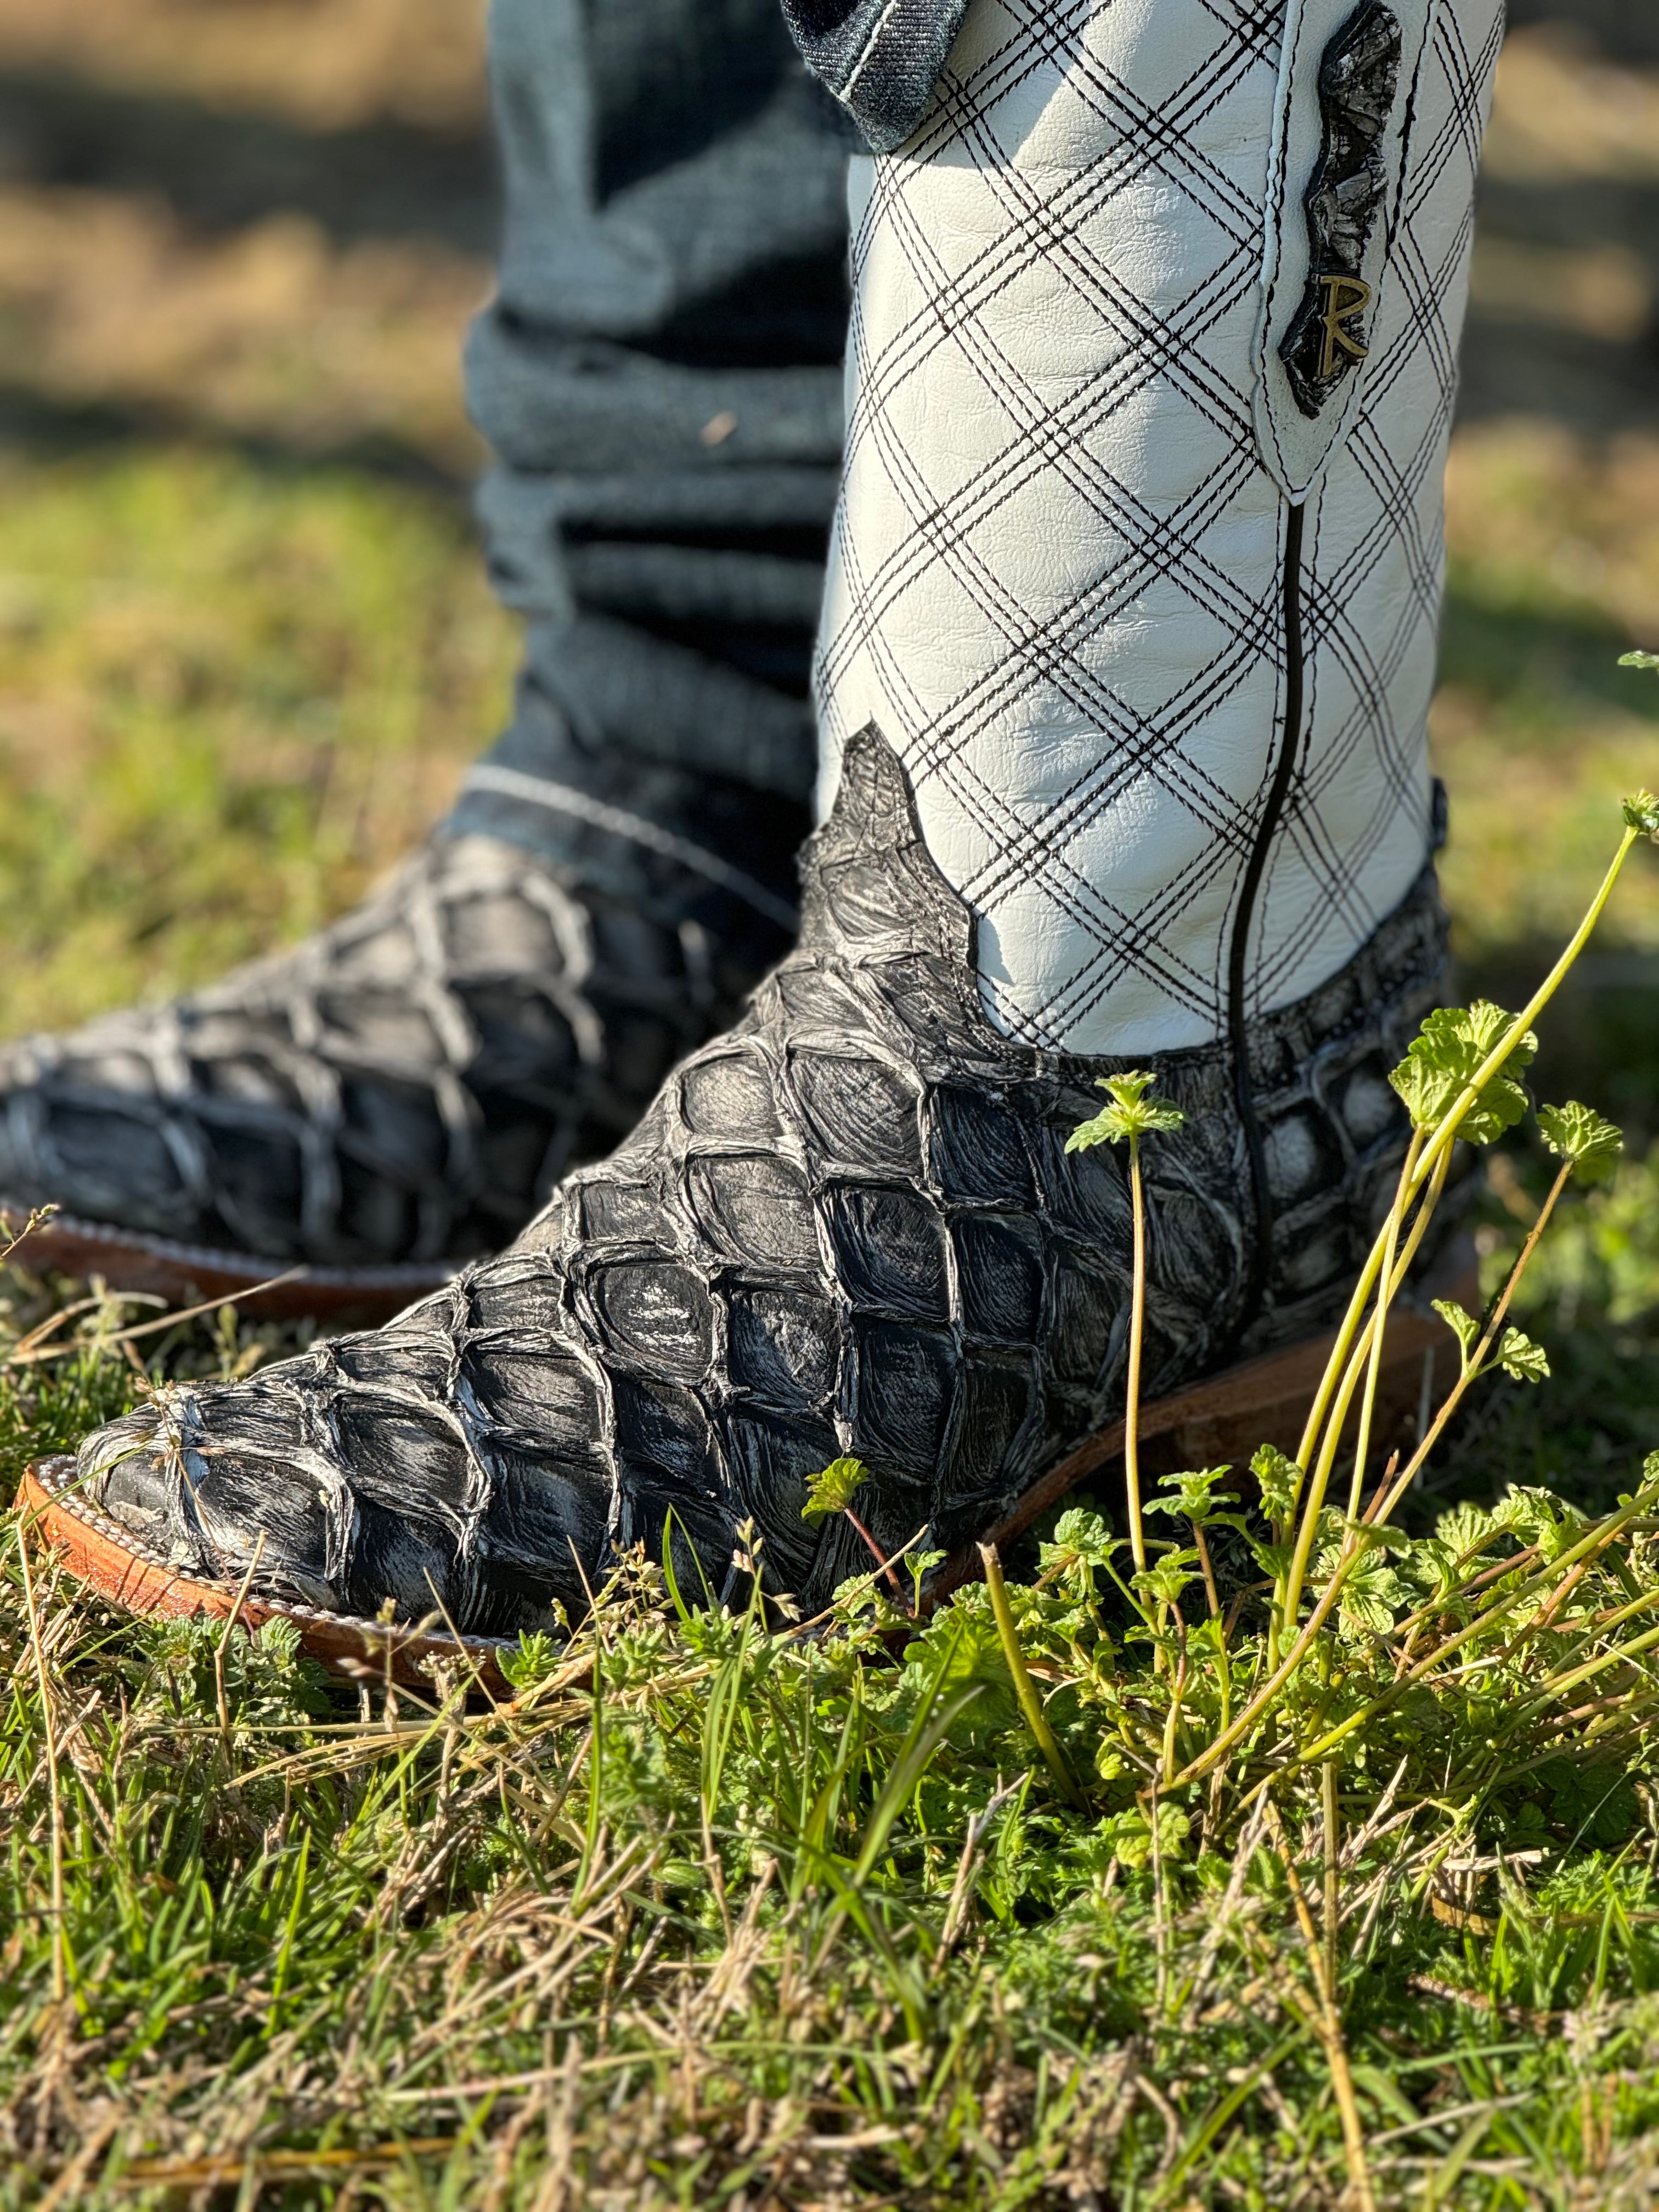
(1344, 298)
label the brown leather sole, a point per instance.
(96, 1550)
(1224, 1419)
(197, 1274)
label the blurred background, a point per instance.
(245, 642)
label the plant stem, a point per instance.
(1333, 1809)
(1314, 1499)
(1024, 1688)
(1172, 1725)
(1438, 1145)
(1278, 1677)
(1384, 1299)
(1197, 1768)
(1212, 1595)
(1132, 1401)
(880, 1557)
(1160, 1900)
(1225, 1667)
(1638, 1648)
(1328, 2026)
(1597, 1539)
(1446, 1132)
(1471, 1373)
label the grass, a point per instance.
(1554, 572)
(719, 1914)
(231, 692)
(711, 1913)
(232, 689)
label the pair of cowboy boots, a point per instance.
(1121, 682)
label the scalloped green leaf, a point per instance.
(1193, 1495)
(1463, 1326)
(833, 1489)
(1280, 1480)
(1580, 1134)
(1521, 1359)
(1446, 1055)
(1134, 1113)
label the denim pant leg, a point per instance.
(659, 375)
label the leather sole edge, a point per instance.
(189, 1275)
(98, 1552)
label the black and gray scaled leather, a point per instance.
(850, 1225)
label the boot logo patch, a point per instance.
(1344, 298)
(1359, 81)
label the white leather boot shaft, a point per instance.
(1160, 290)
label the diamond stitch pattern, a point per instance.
(1056, 578)
(1355, 822)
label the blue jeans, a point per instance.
(659, 376)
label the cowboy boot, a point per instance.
(1148, 627)
(335, 1129)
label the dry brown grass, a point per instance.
(324, 63)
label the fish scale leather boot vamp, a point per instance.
(407, 1085)
(851, 1224)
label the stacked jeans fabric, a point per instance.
(659, 376)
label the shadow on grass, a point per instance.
(1615, 28)
(1518, 648)
(1600, 1042)
(384, 179)
(1584, 1434)
(50, 429)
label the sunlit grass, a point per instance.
(229, 695)
(716, 1913)
(1554, 572)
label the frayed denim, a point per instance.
(879, 57)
